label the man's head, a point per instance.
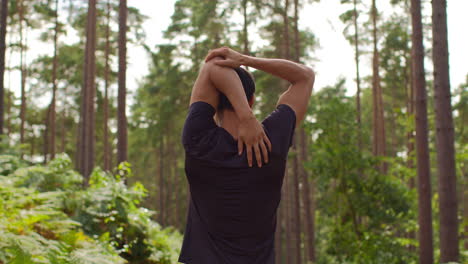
(248, 84)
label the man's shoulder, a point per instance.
(279, 127)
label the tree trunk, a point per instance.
(3, 26)
(87, 130)
(23, 74)
(410, 135)
(62, 132)
(308, 199)
(302, 155)
(295, 205)
(378, 113)
(245, 28)
(444, 137)
(122, 118)
(358, 77)
(288, 216)
(161, 180)
(45, 146)
(426, 249)
(107, 164)
(286, 30)
(54, 88)
(278, 233)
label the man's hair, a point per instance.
(247, 83)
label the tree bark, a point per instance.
(378, 113)
(448, 232)
(3, 31)
(122, 118)
(278, 233)
(54, 88)
(245, 28)
(426, 250)
(89, 90)
(287, 209)
(161, 181)
(358, 77)
(23, 74)
(302, 155)
(296, 220)
(107, 164)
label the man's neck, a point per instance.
(230, 122)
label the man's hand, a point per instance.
(250, 131)
(232, 59)
(251, 134)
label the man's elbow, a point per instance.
(307, 76)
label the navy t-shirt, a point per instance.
(232, 211)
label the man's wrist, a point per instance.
(246, 60)
(245, 115)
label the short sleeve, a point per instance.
(279, 126)
(198, 122)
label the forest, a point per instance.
(93, 172)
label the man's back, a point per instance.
(232, 212)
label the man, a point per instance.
(232, 211)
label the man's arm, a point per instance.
(301, 77)
(214, 79)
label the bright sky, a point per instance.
(334, 57)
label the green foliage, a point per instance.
(366, 215)
(46, 216)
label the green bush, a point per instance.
(46, 216)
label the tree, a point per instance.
(122, 118)
(107, 151)
(426, 249)
(22, 70)
(3, 30)
(448, 233)
(54, 87)
(309, 233)
(86, 143)
(378, 122)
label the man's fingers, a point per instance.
(249, 154)
(267, 141)
(258, 155)
(214, 53)
(226, 63)
(240, 146)
(264, 151)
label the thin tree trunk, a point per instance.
(286, 30)
(3, 27)
(295, 206)
(426, 250)
(287, 209)
(46, 135)
(107, 163)
(308, 199)
(298, 158)
(278, 233)
(122, 118)
(62, 132)
(410, 135)
(54, 88)
(302, 155)
(358, 77)
(448, 235)
(245, 28)
(87, 153)
(161, 180)
(378, 115)
(23, 74)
